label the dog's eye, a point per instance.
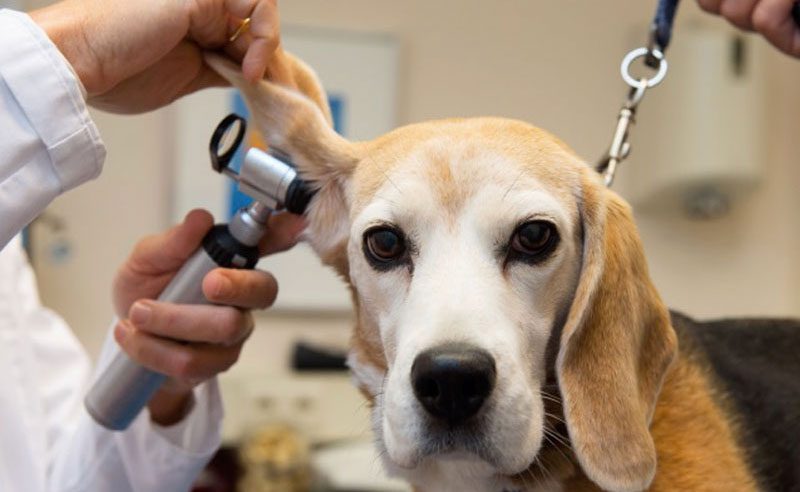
(384, 245)
(533, 240)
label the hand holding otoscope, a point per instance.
(125, 387)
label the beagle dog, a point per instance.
(508, 335)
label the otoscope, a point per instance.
(120, 393)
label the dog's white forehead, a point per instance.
(458, 195)
(459, 203)
(443, 180)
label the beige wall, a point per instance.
(551, 62)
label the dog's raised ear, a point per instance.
(615, 348)
(295, 118)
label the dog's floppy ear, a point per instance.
(615, 348)
(295, 118)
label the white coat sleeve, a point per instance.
(79, 454)
(146, 457)
(49, 143)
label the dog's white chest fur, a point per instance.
(467, 475)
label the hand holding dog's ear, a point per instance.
(135, 56)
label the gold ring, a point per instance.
(240, 30)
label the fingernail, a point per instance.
(121, 331)
(140, 314)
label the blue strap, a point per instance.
(662, 22)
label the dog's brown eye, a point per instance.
(384, 245)
(533, 240)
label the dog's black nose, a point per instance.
(452, 381)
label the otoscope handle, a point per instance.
(120, 393)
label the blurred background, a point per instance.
(714, 177)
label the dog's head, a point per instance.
(492, 273)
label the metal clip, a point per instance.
(620, 148)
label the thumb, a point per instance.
(155, 260)
(168, 251)
(206, 79)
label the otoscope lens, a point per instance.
(227, 141)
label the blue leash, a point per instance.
(661, 30)
(662, 22)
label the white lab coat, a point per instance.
(48, 442)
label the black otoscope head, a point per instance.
(298, 196)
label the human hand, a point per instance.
(135, 56)
(771, 18)
(190, 343)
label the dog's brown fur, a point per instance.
(694, 430)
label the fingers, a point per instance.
(156, 259)
(739, 12)
(206, 79)
(241, 9)
(252, 289)
(710, 6)
(186, 363)
(254, 64)
(237, 48)
(283, 232)
(263, 36)
(773, 19)
(219, 325)
(167, 251)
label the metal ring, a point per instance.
(638, 53)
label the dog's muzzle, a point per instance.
(453, 381)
